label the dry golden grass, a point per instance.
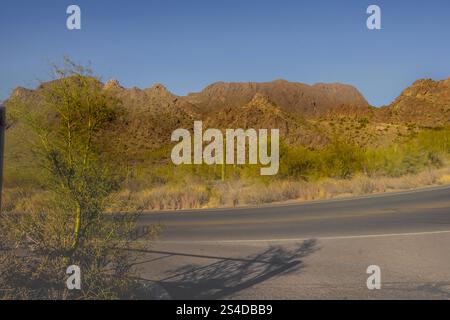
(195, 194)
(234, 193)
(23, 199)
(445, 179)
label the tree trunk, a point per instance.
(77, 228)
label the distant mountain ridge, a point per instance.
(425, 103)
(309, 100)
(309, 115)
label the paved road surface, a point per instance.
(315, 250)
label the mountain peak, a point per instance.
(158, 86)
(20, 91)
(289, 96)
(281, 81)
(159, 91)
(112, 84)
(426, 101)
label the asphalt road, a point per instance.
(314, 250)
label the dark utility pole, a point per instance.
(2, 147)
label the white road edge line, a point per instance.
(305, 239)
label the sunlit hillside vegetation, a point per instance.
(339, 146)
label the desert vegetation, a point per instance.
(339, 169)
(68, 226)
(79, 152)
(327, 150)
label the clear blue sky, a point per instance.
(188, 44)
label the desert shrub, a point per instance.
(298, 162)
(428, 149)
(341, 160)
(435, 140)
(65, 127)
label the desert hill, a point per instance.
(309, 115)
(426, 103)
(309, 100)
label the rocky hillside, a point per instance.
(308, 100)
(261, 112)
(426, 103)
(310, 115)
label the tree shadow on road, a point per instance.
(425, 290)
(227, 276)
